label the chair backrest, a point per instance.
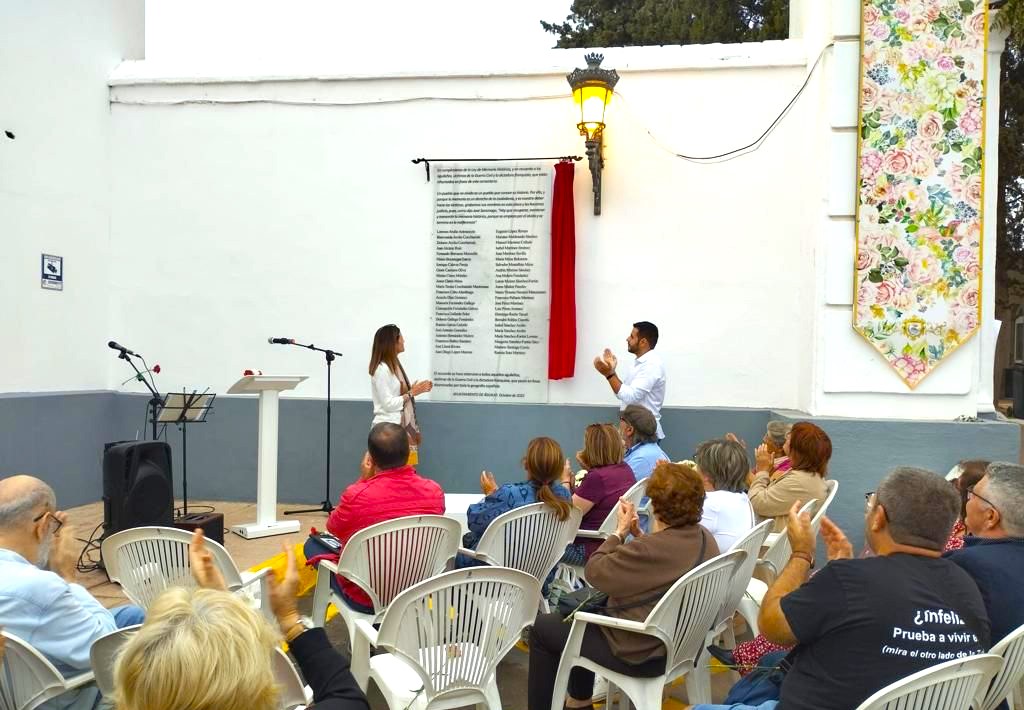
(454, 629)
(530, 538)
(634, 495)
(27, 678)
(779, 552)
(103, 654)
(832, 488)
(387, 558)
(1011, 648)
(293, 692)
(682, 617)
(148, 560)
(750, 544)
(951, 686)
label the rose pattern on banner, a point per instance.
(921, 148)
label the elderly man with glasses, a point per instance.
(993, 553)
(40, 601)
(860, 624)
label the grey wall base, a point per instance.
(60, 437)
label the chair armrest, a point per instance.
(610, 622)
(592, 534)
(772, 537)
(328, 565)
(79, 680)
(476, 555)
(365, 628)
(257, 576)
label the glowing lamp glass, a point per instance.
(592, 100)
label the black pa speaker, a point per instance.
(137, 486)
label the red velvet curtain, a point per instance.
(562, 329)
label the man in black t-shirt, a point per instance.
(861, 624)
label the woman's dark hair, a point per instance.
(809, 448)
(544, 462)
(385, 348)
(970, 473)
(677, 494)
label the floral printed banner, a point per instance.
(919, 216)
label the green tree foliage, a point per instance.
(624, 23)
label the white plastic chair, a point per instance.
(530, 538)
(103, 656)
(635, 495)
(952, 685)
(28, 679)
(831, 489)
(751, 545)
(384, 560)
(776, 557)
(148, 560)
(680, 620)
(446, 636)
(1005, 685)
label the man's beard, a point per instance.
(43, 555)
(631, 349)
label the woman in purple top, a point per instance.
(606, 480)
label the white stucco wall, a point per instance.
(244, 190)
(55, 59)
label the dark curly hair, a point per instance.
(677, 494)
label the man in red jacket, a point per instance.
(387, 488)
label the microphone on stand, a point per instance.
(281, 341)
(124, 351)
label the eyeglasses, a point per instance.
(972, 494)
(60, 523)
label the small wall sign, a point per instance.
(53, 272)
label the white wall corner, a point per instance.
(844, 101)
(839, 255)
(842, 177)
(846, 18)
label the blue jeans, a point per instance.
(128, 615)
(766, 705)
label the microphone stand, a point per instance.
(154, 401)
(325, 504)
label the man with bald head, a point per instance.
(40, 602)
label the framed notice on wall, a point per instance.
(492, 251)
(52, 273)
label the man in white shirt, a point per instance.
(645, 383)
(48, 609)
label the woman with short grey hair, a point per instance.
(727, 513)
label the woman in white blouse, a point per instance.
(393, 394)
(727, 513)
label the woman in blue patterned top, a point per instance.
(543, 464)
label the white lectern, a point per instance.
(269, 388)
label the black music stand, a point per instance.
(183, 408)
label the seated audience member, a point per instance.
(387, 488)
(745, 656)
(993, 553)
(727, 513)
(206, 648)
(40, 600)
(772, 496)
(775, 443)
(858, 624)
(629, 573)
(639, 430)
(543, 463)
(607, 479)
(964, 475)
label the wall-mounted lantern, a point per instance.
(592, 90)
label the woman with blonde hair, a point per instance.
(206, 649)
(543, 463)
(607, 479)
(394, 397)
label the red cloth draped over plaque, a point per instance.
(562, 328)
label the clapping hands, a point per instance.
(606, 362)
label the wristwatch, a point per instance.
(608, 377)
(301, 626)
